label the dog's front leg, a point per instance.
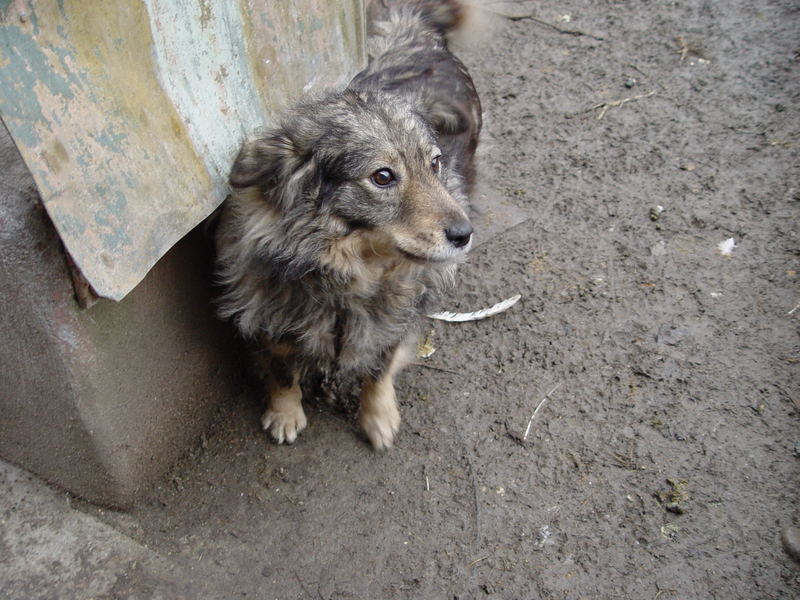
(284, 417)
(379, 416)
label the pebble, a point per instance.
(655, 212)
(674, 507)
(790, 537)
(659, 248)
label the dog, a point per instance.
(347, 221)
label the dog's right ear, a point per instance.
(268, 158)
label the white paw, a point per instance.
(284, 425)
(381, 424)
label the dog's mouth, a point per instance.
(435, 255)
(420, 259)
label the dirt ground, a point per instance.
(664, 461)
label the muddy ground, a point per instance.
(663, 463)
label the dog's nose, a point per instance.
(459, 233)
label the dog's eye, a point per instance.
(382, 177)
(435, 166)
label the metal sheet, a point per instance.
(128, 113)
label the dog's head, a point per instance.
(361, 163)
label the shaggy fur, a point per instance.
(347, 221)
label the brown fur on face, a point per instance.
(428, 211)
(347, 222)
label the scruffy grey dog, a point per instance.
(347, 221)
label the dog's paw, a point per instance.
(381, 424)
(284, 425)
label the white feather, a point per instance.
(478, 314)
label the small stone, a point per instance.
(674, 507)
(630, 82)
(726, 247)
(655, 213)
(790, 538)
(659, 248)
(669, 531)
(688, 167)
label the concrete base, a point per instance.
(101, 401)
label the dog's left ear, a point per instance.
(265, 159)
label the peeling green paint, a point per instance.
(4, 4)
(25, 67)
(316, 24)
(205, 13)
(129, 114)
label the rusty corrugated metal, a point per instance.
(128, 113)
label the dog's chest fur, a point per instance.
(344, 314)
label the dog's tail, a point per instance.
(445, 16)
(393, 22)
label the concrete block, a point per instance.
(101, 401)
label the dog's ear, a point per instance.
(278, 164)
(270, 157)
